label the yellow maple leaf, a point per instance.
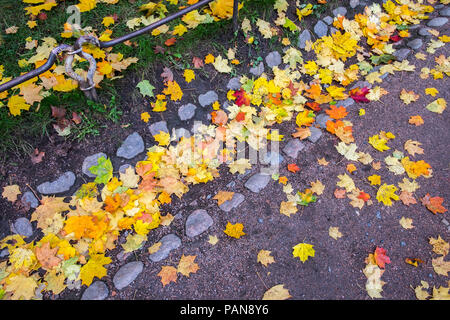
(408, 96)
(374, 179)
(94, 268)
(387, 192)
(234, 230)
(21, 286)
(179, 30)
(186, 266)
(303, 251)
(163, 138)
(16, 104)
(174, 90)
(209, 58)
(189, 75)
(431, 91)
(11, 192)
(221, 64)
(145, 116)
(107, 21)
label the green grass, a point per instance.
(17, 134)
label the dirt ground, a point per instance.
(229, 269)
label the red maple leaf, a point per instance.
(240, 116)
(359, 95)
(241, 97)
(395, 38)
(364, 196)
(170, 42)
(380, 257)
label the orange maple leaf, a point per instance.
(292, 167)
(186, 266)
(381, 258)
(47, 257)
(337, 112)
(434, 204)
(170, 42)
(168, 274)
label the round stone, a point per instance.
(96, 291)
(30, 199)
(257, 182)
(168, 243)
(131, 147)
(273, 59)
(198, 222)
(303, 37)
(320, 29)
(437, 22)
(127, 274)
(90, 162)
(207, 98)
(415, 44)
(186, 112)
(23, 227)
(157, 127)
(62, 184)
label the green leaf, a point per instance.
(146, 88)
(290, 25)
(384, 58)
(103, 170)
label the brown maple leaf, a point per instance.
(37, 156)
(198, 62)
(167, 75)
(47, 257)
(407, 198)
(223, 196)
(339, 193)
(302, 133)
(168, 274)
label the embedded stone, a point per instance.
(127, 274)
(157, 127)
(30, 199)
(273, 59)
(257, 182)
(168, 243)
(316, 133)
(257, 70)
(208, 98)
(415, 44)
(322, 119)
(187, 111)
(234, 83)
(235, 201)
(198, 222)
(62, 184)
(96, 291)
(90, 162)
(293, 147)
(340, 11)
(402, 54)
(131, 146)
(437, 22)
(23, 227)
(328, 20)
(303, 37)
(320, 29)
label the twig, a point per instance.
(32, 190)
(262, 280)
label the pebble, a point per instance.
(127, 274)
(378, 215)
(131, 146)
(403, 243)
(316, 133)
(293, 147)
(424, 32)
(156, 127)
(234, 83)
(4, 253)
(415, 44)
(124, 167)
(187, 111)
(90, 162)
(257, 182)
(340, 11)
(354, 3)
(402, 54)
(257, 70)
(182, 132)
(303, 37)
(234, 202)
(208, 98)
(272, 158)
(23, 227)
(168, 243)
(30, 199)
(437, 22)
(62, 184)
(198, 222)
(328, 20)
(444, 221)
(260, 220)
(445, 12)
(322, 119)
(346, 103)
(320, 29)
(273, 59)
(96, 291)
(333, 30)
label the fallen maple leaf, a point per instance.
(168, 274)
(47, 257)
(36, 156)
(186, 266)
(380, 257)
(406, 223)
(434, 204)
(302, 133)
(322, 162)
(359, 95)
(223, 196)
(413, 147)
(198, 62)
(408, 96)
(11, 192)
(440, 246)
(278, 292)
(264, 257)
(340, 193)
(167, 75)
(334, 233)
(292, 167)
(303, 251)
(407, 198)
(234, 230)
(170, 42)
